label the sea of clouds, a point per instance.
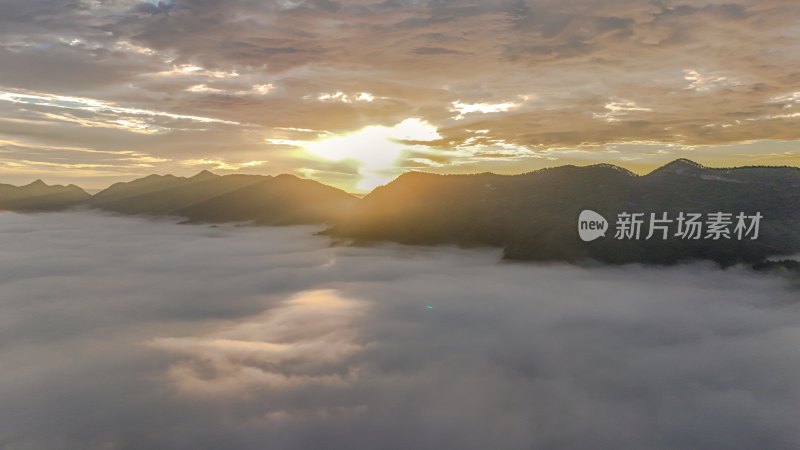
(124, 333)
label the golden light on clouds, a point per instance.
(483, 108)
(218, 164)
(91, 105)
(308, 332)
(555, 83)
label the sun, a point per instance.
(376, 149)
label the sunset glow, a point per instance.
(399, 224)
(635, 83)
(375, 149)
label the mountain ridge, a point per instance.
(39, 196)
(207, 197)
(531, 216)
(680, 161)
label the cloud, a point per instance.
(300, 343)
(476, 61)
(97, 106)
(203, 89)
(196, 71)
(124, 333)
(340, 96)
(705, 82)
(216, 164)
(484, 108)
(435, 51)
(263, 89)
(22, 162)
(618, 108)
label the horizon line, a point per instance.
(597, 164)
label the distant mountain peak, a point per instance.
(37, 183)
(413, 174)
(156, 176)
(688, 161)
(684, 162)
(680, 166)
(612, 167)
(204, 175)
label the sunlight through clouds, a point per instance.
(376, 149)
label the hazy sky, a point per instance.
(118, 333)
(354, 92)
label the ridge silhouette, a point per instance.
(532, 216)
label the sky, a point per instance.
(353, 93)
(123, 333)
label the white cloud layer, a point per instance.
(123, 333)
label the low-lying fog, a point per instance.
(131, 334)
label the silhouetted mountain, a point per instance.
(203, 175)
(207, 197)
(534, 216)
(38, 196)
(681, 166)
(284, 199)
(115, 197)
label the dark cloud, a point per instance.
(123, 333)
